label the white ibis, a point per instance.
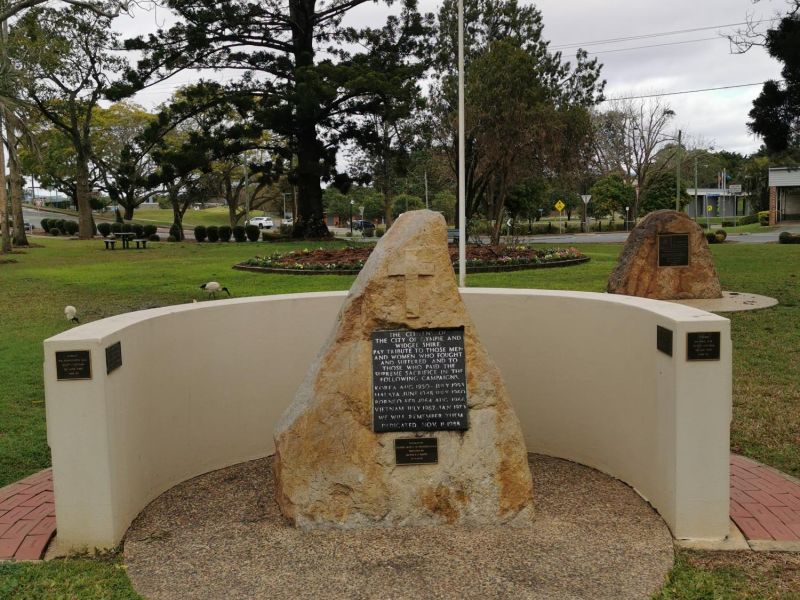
(70, 313)
(212, 287)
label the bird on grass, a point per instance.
(70, 313)
(212, 287)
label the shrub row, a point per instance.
(750, 219)
(141, 231)
(763, 217)
(59, 226)
(223, 233)
(789, 238)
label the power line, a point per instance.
(656, 45)
(697, 91)
(656, 34)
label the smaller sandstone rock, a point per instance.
(638, 272)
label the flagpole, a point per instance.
(462, 229)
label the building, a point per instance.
(716, 202)
(784, 194)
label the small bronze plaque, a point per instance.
(664, 339)
(113, 357)
(416, 451)
(703, 345)
(673, 250)
(73, 364)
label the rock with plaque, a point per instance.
(403, 381)
(666, 257)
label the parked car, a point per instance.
(288, 221)
(28, 227)
(362, 225)
(261, 222)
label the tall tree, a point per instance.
(304, 73)
(68, 55)
(775, 115)
(122, 158)
(565, 89)
(641, 127)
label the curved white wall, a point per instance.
(201, 386)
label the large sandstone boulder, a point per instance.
(333, 470)
(638, 273)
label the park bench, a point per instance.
(143, 242)
(452, 236)
(110, 244)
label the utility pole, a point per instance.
(426, 189)
(678, 175)
(695, 189)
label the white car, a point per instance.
(261, 222)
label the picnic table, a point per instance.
(126, 238)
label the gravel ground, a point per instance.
(221, 535)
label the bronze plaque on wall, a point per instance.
(73, 364)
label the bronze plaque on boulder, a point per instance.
(673, 250)
(416, 451)
(419, 380)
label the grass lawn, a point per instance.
(41, 281)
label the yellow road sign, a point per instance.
(710, 207)
(560, 206)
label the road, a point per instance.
(35, 217)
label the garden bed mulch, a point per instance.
(350, 260)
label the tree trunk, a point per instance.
(128, 212)
(177, 215)
(233, 204)
(83, 193)
(5, 234)
(309, 222)
(20, 239)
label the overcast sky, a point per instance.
(717, 118)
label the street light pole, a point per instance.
(678, 175)
(351, 218)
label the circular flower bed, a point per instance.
(350, 260)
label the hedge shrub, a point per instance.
(225, 233)
(138, 230)
(127, 228)
(200, 233)
(748, 220)
(252, 232)
(379, 231)
(150, 230)
(789, 238)
(212, 231)
(116, 227)
(70, 227)
(154, 237)
(45, 225)
(763, 217)
(54, 231)
(721, 234)
(239, 234)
